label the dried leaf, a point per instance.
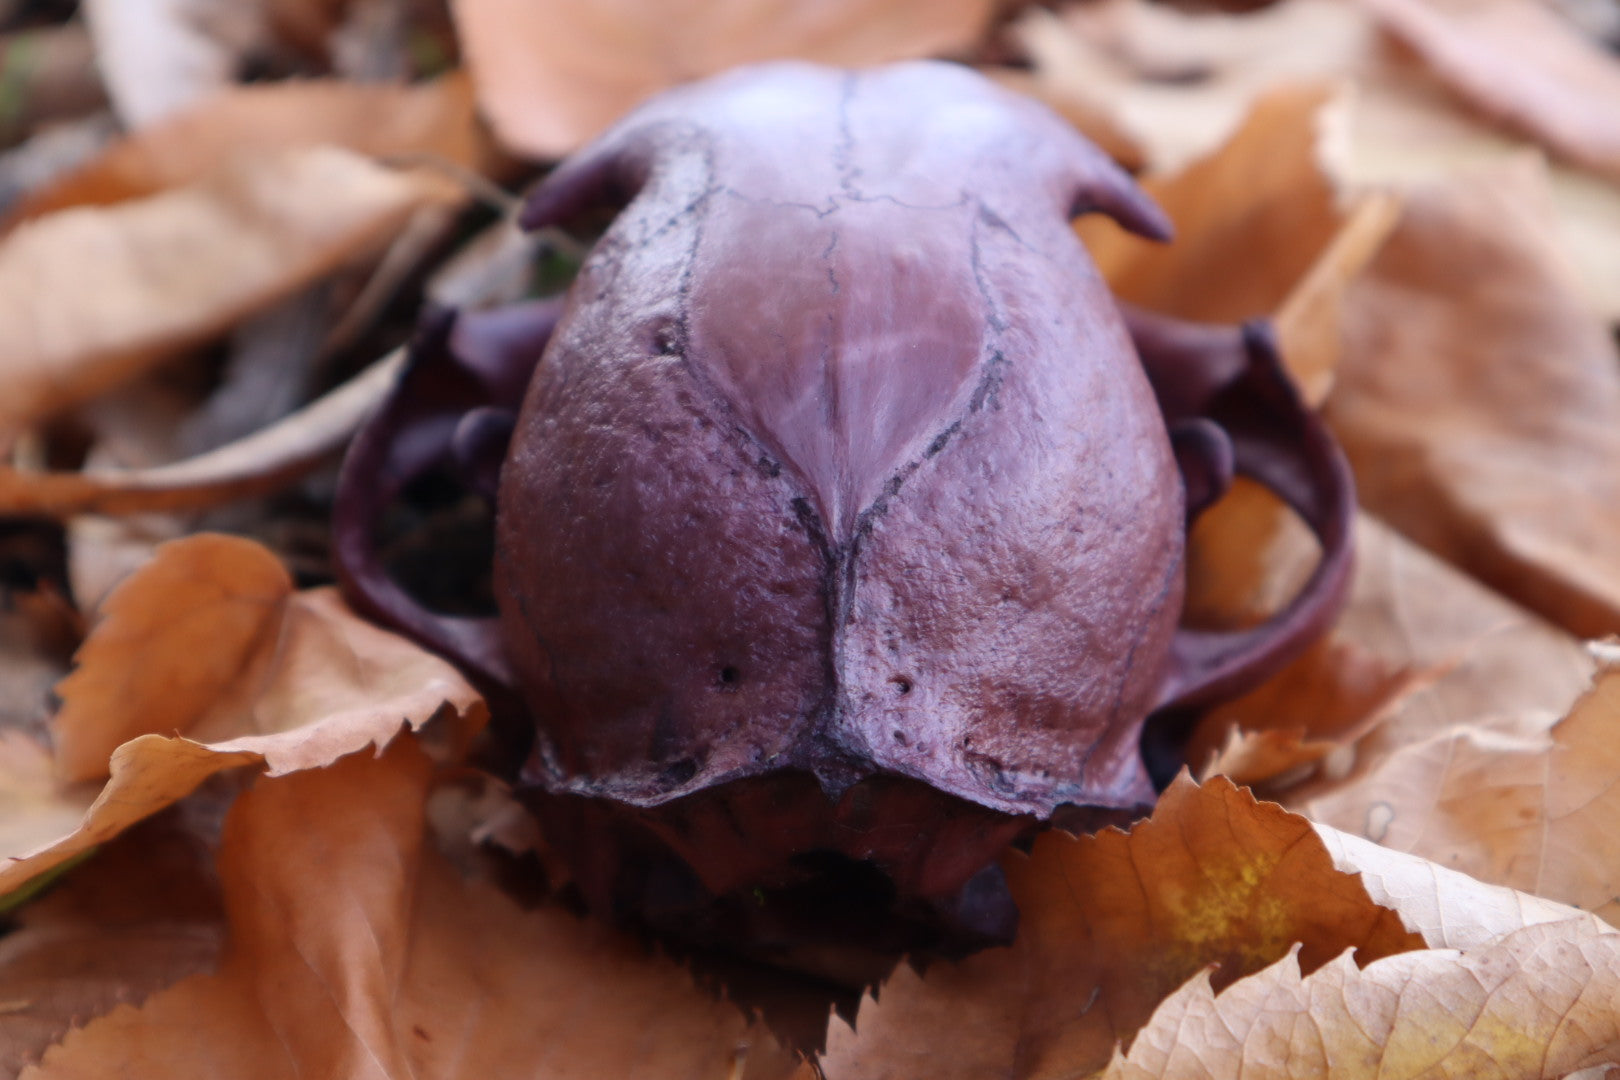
(1179, 82)
(1310, 320)
(1480, 403)
(1448, 909)
(1262, 203)
(432, 120)
(1539, 1002)
(1259, 231)
(34, 807)
(171, 641)
(1534, 812)
(552, 73)
(254, 465)
(1110, 924)
(1474, 657)
(93, 296)
(1519, 62)
(141, 915)
(316, 683)
(161, 55)
(356, 952)
(1337, 692)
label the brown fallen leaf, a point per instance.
(1179, 81)
(169, 644)
(1522, 64)
(1537, 1003)
(1111, 924)
(307, 682)
(430, 120)
(1475, 657)
(355, 951)
(1448, 909)
(33, 803)
(1534, 812)
(1334, 693)
(1250, 218)
(552, 73)
(157, 56)
(141, 915)
(93, 296)
(251, 466)
(1480, 403)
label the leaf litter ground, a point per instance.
(225, 852)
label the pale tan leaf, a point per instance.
(1475, 658)
(170, 642)
(433, 120)
(1480, 403)
(552, 73)
(307, 682)
(356, 952)
(148, 774)
(1447, 908)
(1520, 63)
(251, 466)
(1534, 812)
(1537, 1003)
(157, 56)
(34, 807)
(93, 296)
(1111, 924)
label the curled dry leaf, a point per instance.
(1521, 63)
(1448, 909)
(1261, 203)
(254, 465)
(301, 682)
(1179, 81)
(552, 73)
(170, 643)
(1534, 811)
(432, 120)
(1110, 925)
(1480, 403)
(355, 951)
(1537, 1003)
(1334, 693)
(93, 296)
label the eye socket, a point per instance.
(730, 676)
(901, 685)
